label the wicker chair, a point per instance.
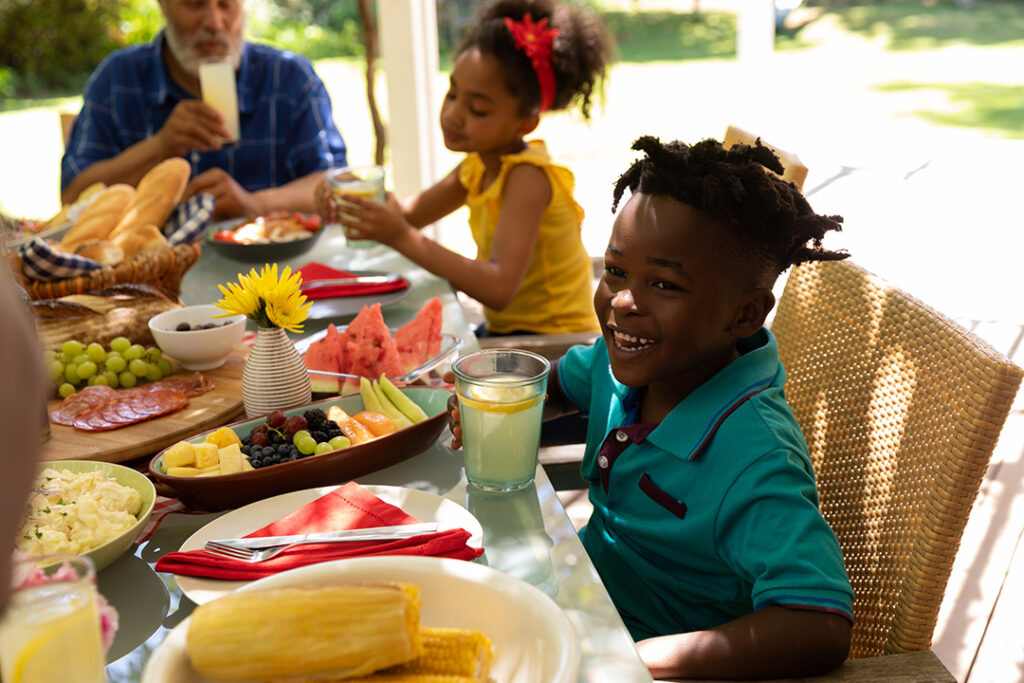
(901, 409)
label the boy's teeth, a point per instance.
(628, 342)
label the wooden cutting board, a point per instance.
(212, 409)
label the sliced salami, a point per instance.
(92, 420)
(86, 398)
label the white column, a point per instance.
(755, 29)
(408, 45)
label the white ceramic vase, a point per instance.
(274, 377)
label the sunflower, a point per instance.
(267, 299)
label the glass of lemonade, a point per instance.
(362, 181)
(51, 630)
(501, 401)
(217, 83)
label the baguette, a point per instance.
(141, 240)
(158, 191)
(100, 217)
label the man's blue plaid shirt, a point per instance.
(285, 113)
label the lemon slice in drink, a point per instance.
(501, 399)
(73, 638)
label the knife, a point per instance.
(369, 533)
(361, 280)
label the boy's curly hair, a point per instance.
(580, 54)
(768, 217)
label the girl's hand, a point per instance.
(364, 219)
(323, 199)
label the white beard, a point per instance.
(187, 54)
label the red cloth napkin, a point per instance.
(348, 507)
(313, 271)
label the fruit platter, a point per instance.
(324, 442)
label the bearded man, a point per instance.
(142, 105)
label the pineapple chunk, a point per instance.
(211, 471)
(230, 459)
(246, 465)
(225, 436)
(184, 471)
(179, 455)
(207, 454)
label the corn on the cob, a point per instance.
(343, 632)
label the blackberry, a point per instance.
(315, 419)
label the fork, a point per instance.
(265, 552)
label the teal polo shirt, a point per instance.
(712, 513)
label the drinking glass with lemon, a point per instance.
(501, 400)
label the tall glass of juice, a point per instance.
(501, 400)
(217, 83)
(51, 630)
(361, 181)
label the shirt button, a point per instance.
(602, 462)
(621, 436)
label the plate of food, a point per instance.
(266, 239)
(425, 506)
(225, 468)
(530, 638)
(120, 501)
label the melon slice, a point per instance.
(369, 348)
(321, 356)
(420, 339)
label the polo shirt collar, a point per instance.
(686, 430)
(166, 89)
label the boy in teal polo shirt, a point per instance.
(706, 529)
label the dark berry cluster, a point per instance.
(319, 427)
(275, 450)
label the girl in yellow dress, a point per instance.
(532, 273)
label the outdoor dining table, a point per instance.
(526, 534)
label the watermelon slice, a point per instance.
(420, 339)
(369, 348)
(322, 356)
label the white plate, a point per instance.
(532, 637)
(342, 306)
(427, 507)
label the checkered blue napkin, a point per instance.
(187, 223)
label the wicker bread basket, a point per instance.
(164, 269)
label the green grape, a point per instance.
(306, 445)
(301, 434)
(153, 354)
(71, 373)
(127, 379)
(134, 351)
(119, 344)
(71, 347)
(116, 363)
(323, 448)
(86, 369)
(98, 379)
(339, 442)
(165, 366)
(65, 390)
(49, 355)
(153, 372)
(112, 379)
(66, 357)
(138, 367)
(55, 369)
(79, 359)
(96, 353)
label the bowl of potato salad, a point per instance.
(88, 508)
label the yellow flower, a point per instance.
(267, 299)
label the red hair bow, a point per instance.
(535, 41)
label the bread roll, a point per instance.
(100, 217)
(158, 191)
(141, 240)
(103, 252)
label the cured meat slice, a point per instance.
(195, 385)
(86, 398)
(92, 420)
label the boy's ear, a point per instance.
(751, 312)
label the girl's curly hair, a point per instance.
(580, 54)
(768, 217)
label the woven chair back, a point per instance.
(901, 408)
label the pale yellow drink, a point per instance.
(217, 82)
(51, 632)
(501, 433)
(361, 181)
